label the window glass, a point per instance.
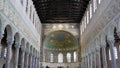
(68, 57)
(90, 11)
(75, 56)
(60, 58)
(51, 57)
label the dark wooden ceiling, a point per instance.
(60, 11)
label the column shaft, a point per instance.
(1, 36)
(38, 66)
(7, 64)
(22, 59)
(88, 65)
(82, 65)
(85, 61)
(31, 61)
(91, 60)
(16, 57)
(95, 59)
(111, 44)
(104, 57)
(27, 57)
(99, 59)
(36, 63)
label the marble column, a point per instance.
(118, 51)
(82, 62)
(1, 36)
(88, 57)
(94, 59)
(104, 55)
(38, 60)
(26, 59)
(33, 61)
(111, 42)
(118, 33)
(31, 58)
(85, 62)
(8, 57)
(22, 57)
(99, 58)
(17, 46)
(91, 60)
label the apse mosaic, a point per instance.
(60, 40)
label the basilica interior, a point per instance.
(59, 33)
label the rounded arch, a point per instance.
(34, 51)
(68, 57)
(38, 54)
(31, 49)
(27, 47)
(0, 26)
(75, 56)
(60, 40)
(51, 57)
(23, 45)
(17, 38)
(110, 30)
(60, 58)
(8, 30)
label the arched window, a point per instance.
(85, 22)
(51, 57)
(68, 57)
(82, 26)
(90, 11)
(75, 56)
(60, 58)
(87, 17)
(81, 29)
(115, 53)
(99, 1)
(94, 5)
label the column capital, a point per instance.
(97, 49)
(9, 42)
(103, 44)
(31, 54)
(118, 33)
(110, 40)
(23, 50)
(1, 36)
(17, 46)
